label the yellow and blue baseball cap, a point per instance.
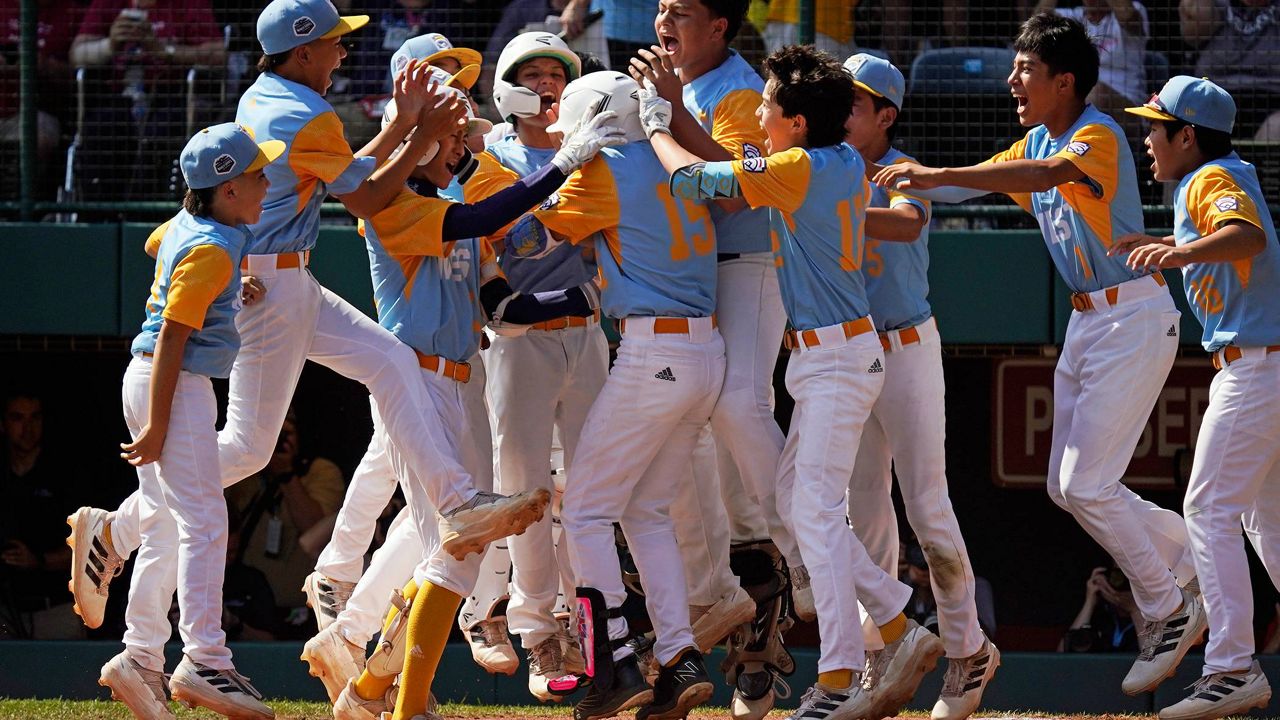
(286, 24)
(1195, 101)
(877, 76)
(224, 152)
(432, 47)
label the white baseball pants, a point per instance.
(1235, 474)
(183, 526)
(702, 527)
(835, 386)
(1114, 362)
(540, 382)
(634, 450)
(906, 432)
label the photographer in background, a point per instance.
(294, 493)
(1109, 618)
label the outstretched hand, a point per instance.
(588, 137)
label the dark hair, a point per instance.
(880, 103)
(199, 202)
(1064, 45)
(269, 63)
(590, 62)
(732, 10)
(811, 83)
(1212, 143)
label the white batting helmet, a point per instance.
(452, 86)
(597, 92)
(514, 100)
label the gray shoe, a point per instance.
(964, 683)
(1222, 694)
(141, 690)
(225, 692)
(486, 517)
(893, 674)
(1163, 645)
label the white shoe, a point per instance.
(1222, 694)
(546, 663)
(711, 623)
(225, 692)
(486, 517)
(822, 703)
(964, 683)
(141, 690)
(894, 673)
(350, 706)
(491, 647)
(94, 564)
(327, 597)
(331, 658)
(802, 594)
(1164, 643)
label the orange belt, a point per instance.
(1231, 353)
(809, 338)
(459, 371)
(1082, 302)
(908, 336)
(566, 322)
(666, 325)
(284, 261)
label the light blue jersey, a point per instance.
(317, 161)
(658, 256)
(197, 283)
(1081, 220)
(561, 269)
(897, 273)
(1238, 303)
(724, 102)
(817, 200)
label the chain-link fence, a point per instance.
(122, 83)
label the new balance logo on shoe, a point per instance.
(1173, 331)
(687, 672)
(665, 374)
(876, 367)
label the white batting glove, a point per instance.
(584, 140)
(655, 113)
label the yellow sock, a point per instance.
(836, 679)
(368, 685)
(893, 630)
(430, 622)
(106, 534)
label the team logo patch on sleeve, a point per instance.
(754, 164)
(1226, 204)
(1079, 147)
(750, 151)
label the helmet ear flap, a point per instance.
(466, 166)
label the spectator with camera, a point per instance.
(1109, 618)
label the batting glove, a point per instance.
(655, 113)
(585, 139)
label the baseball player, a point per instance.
(189, 336)
(714, 94)
(1074, 172)
(435, 289)
(657, 264)
(570, 356)
(1225, 242)
(907, 423)
(298, 319)
(817, 196)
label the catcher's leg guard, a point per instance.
(612, 671)
(388, 657)
(756, 651)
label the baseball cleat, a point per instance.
(546, 666)
(94, 564)
(681, 687)
(1222, 694)
(486, 517)
(627, 689)
(964, 682)
(225, 692)
(574, 663)
(326, 597)
(894, 673)
(350, 706)
(823, 703)
(802, 594)
(331, 658)
(711, 623)
(491, 647)
(141, 690)
(1163, 645)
